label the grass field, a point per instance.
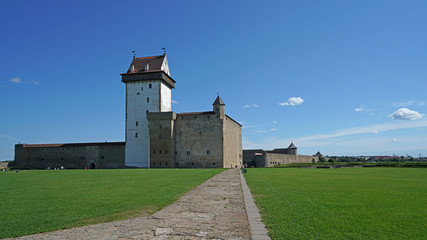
(40, 201)
(352, 203)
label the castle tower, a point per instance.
(219, 107)
(148, 89)
(292, 149)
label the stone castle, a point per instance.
(278, 156)
(156, 137)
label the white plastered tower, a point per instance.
(148, 89)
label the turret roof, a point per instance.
(218, 101)
(292, 145)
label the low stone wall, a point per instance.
(261, 158)
(70, 155)
(272, 159)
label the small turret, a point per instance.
(219, 107)
(292, 149)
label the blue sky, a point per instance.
(342, 77)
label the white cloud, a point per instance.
(19, 80)
(253, 105)
(394, 140)
(293, 101)
(6, 136)
(359, 109)
(406, 114)
(273, 129)
(366, 129)
(403, 104)
(375, 132)
(174, 102)
(242, 122)
(274, 121)
(422, 103)
(16, 80)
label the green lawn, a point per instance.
(352, 203)
(40, 201)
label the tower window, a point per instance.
(160, 136)
(136, 135)
(142, 89)
(148, 99)
(213, 163)
(188, 152)
(154, 151)
(160, 151)
(154, 164)
(147, 111)
(208, 151)
(149, 85)
(166, 151)
(137, 93)
(136, 124)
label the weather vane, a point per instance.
(164, 50)
(133, 51)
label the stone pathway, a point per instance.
(213, 210)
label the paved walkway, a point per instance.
(215, 209)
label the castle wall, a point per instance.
(277, 158)
(162, 139)
(232, 143)
(80, 155)
(199, 141)
(261, 158)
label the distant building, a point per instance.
(318, 154)
(278, 156)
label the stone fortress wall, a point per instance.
(263, 158)
(70, 155)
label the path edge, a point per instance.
(257, 227)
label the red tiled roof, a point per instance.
(74, 144)
(154, 62)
